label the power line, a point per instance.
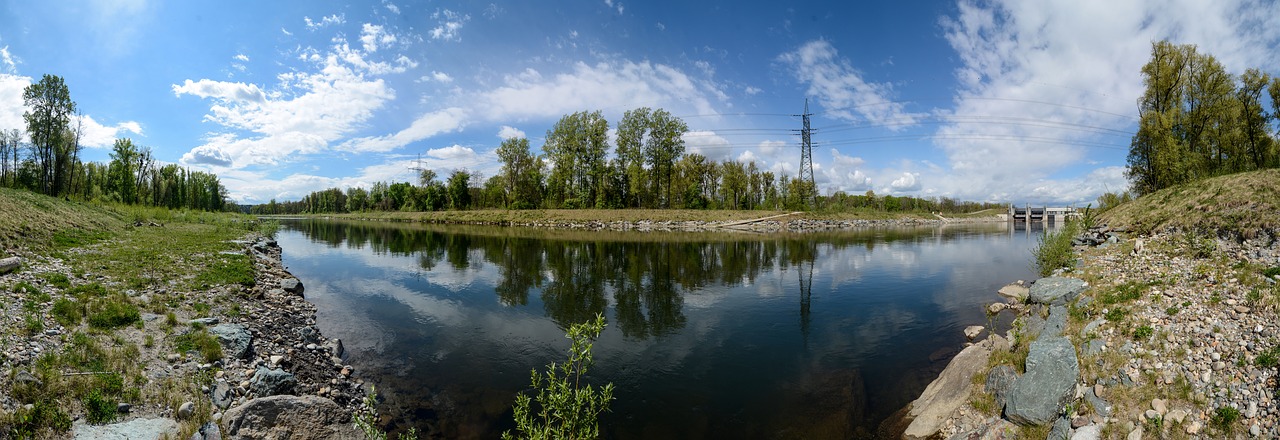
(806, 159)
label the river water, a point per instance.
(710, 335)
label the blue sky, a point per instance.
(1007, 101)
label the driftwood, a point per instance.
(9, 264)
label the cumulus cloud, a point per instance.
(425, 126)
(96, 135)
(509, 132)
(452, 153)
(1030, 61)
(846, 161)
(906, 183)
(391, 7)
(841, 89)
(325, 21)
(373, 36)
(439, 77)
(619, 84)
(7, 64)
(449, 24)
(11, 103)
(221, 90)
(709, 144)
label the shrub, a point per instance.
(99, 409)
(27, 423)
(57, 280)
(1054, 250)
(201, 341)
(67, 312)
(566, 406)
(114, 313)
(1143, 332)
(1224, 418)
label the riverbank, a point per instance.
(1168, 329)
(141, 323)
(647, 220)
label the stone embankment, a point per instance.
(279, 377)
(783, 225)
(1173, 336)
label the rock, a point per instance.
(1160, 406)
(124, 408)
(1057, 322)
(1090, 432)
(999, 381)
(335, 347)
(1061, 429)
(1176, 416)
(25, 377)
(288, 417)
(1079, 422)
(223, 395)
(133, 429)
(995, 308)
(973, 331)
(1135, 434)
(309, 334)
(1251, 411)
(208, 431)
(1194, 427)
(994, 428)
(1255, 430)
(945, 394)
(1038, 396)
(207, 322)
(1055, 290)
(1094, 346)
(271, 382)
(1014, 292)
(186, 410)
(237, 342)
(9, 264)
(1034, 324)
(291, 285)
(275, 359)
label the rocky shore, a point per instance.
(1165, 336)
(278, 376)
(765, 226)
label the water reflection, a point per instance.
(706, 338)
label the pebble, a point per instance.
(186, 410)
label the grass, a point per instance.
(201, 341)
(1055, 251)
(113, 312)
(1224, 419)
(56, 280)
(1242, 204)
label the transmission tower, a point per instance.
(809, 192)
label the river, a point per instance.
(710, 335)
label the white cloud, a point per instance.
(391, 7)
(304, 114)
(373, 36)
(707, 143)
(439, 77)
(241, 57)
(96, 135)
(622, 84)
(614, 5)
(1030, 60)
(452, 153)
(842, 90)
(749, 90)
(449, 24)
(907, 183)
(7, 64)
(11, 103)
(286, 32)
(846, 161)
(325, 21)
(426, 126)
(509, 132)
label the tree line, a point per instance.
(1198, 121)
(649, 169)
(47, 160)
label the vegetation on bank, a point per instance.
(1242, 204)
(47, 160)
(118, 262)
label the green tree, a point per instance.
(10, 150)
(460, 189)
(662, 149)
(48, 120)
(564, 406)
(521, 176)
(632, 132)
(576, 146)
(122, 181)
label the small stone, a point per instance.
(1194, 427)
(172, 357)
(995, 308)
(346, 371)
(1135, 434)
(1176, 416)
(311, 347)
(275, 359)
(973, 331)
(1151, 414)
(1252, 410)
(186, 410)
(1160, 406)
(1098, 390)
(1079, 421)
(1255, 430)
(123, 408)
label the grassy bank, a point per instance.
(1244, 205)
(582, 216)
(101, 298)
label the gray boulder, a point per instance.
(1100, 405)
(1048, 385)
(223, 395)
(136, 428)
(1056, 290)
(207, 322)
(999, 381)
(9, 264)
(271, 382)
(291, 285)
(1015, 292)
(1061, 429)
(950, 390)
(1057, 322)
(289, 417)
(236, 340)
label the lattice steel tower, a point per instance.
(810, 191)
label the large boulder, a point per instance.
(950, 390)
(999, 381)
(289, 417)
(271, 382)
(236, 340)
(222, 395)
(1056, 290)
(136, 428)
(9, 264)
(291, 285)
(1048, 385)
(1057, 322)
(1015, 292)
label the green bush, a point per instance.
(27, 423)
(566, 406)
(57, 280)
(1269, 358)
(1224, 418)
(99, 409)
(1143, 332)
(113, 313)
(88, 290)
(67, 312)
(1054, 250)
(201, 341)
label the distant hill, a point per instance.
(1243, 205)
